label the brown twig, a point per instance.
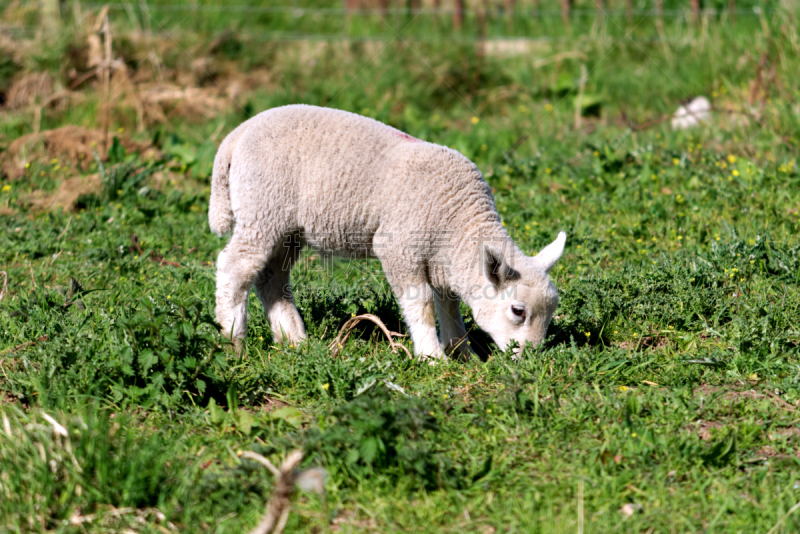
(137, 247)
(644, 125)
(263, 461)
(756, 88)
(278, 507)
(521, 139)
(64, 231)
(784, 404)
(55, 257)
(85, 76)
(25, 345)
(347, 329)
(161, 261)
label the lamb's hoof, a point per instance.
(431, 359)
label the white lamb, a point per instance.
(339, 182)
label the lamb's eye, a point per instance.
(519, 311)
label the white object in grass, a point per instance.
(695, 112)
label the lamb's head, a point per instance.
(521, 298)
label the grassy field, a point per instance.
(665, 399)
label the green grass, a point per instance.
(670, 378)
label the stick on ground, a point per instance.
(25, 345)
(347, 329)
(278, 507)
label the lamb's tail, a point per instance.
(220, 212)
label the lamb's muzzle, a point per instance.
(302, 175)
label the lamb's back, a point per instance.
(332, 171)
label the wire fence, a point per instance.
(526, 11)
(434, 20)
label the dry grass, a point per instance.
(67, 193)
(74, 145)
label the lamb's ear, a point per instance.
(550, 254)
(496, 269)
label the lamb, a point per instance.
(349, 185)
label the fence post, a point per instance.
(384, 5)
(732, 10)
(509, 5)
(566, 5)
(352, 5)
(696, 10)
(600, 6)
(458, 13)
(481, 14)
(660, 16)
(436, 15)
(629, 10)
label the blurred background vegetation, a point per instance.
(665, 398)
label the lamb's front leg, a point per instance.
(415, 295)
(416, 300)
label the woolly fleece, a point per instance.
(335, 181)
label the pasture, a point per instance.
(666, 397)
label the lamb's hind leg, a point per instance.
(275, 293)
(237, 266)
